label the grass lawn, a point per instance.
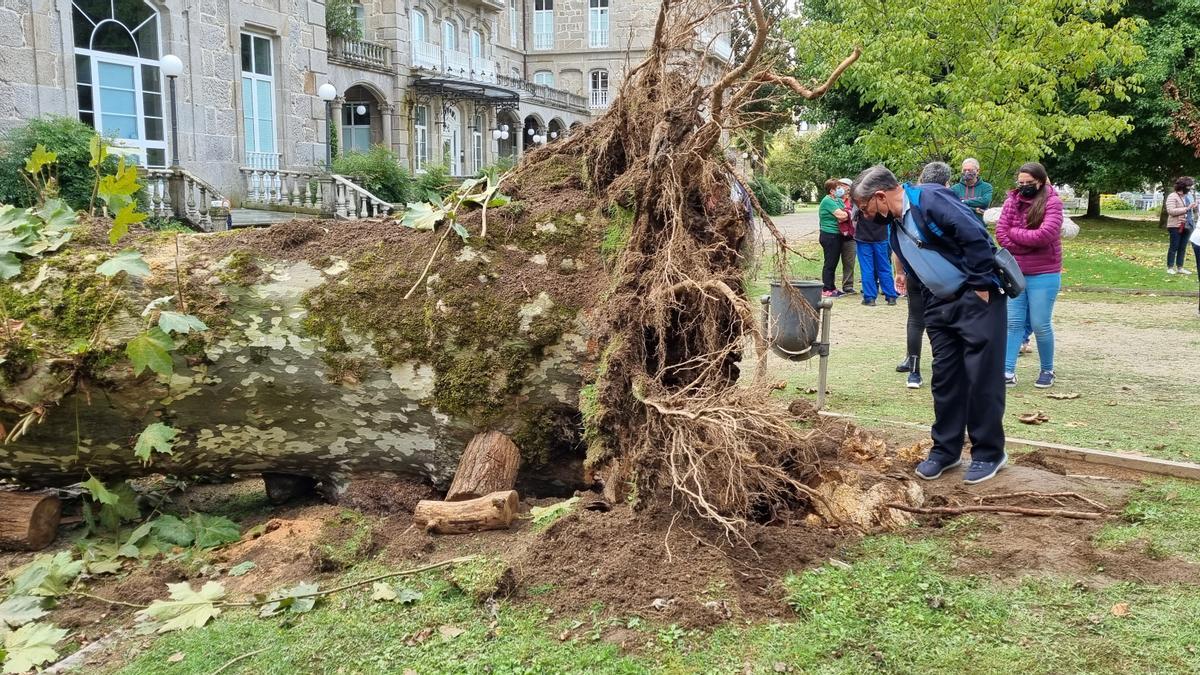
(893, 605)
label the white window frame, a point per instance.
(420, 138)
(360, 17)
(348, 129)
(544, 78)
(452, 141)
(477, 143)
(598, 95)
(452, 33)
(543, 24)
(514, 24)
(268, 160)
(598, 23)
(414, 23)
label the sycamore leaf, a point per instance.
(10, 266)
(117, 189)
(499, 200)
(129, 261)
(30, 646)
(407, 596)
(139, 533)
(157, 303)
(460, 230)
(422, 216)
(157, 437)
(213, 531)
(151, 350)
(98, 492)
(21, 609)
(176, 322)
(242, 568)
(185, 609)
(382, 591)
(173, 530)
(128, 215)
(45, 575)
(125, 508)
(57, 215)
(99, 151)
(289, 600)
(39, 158)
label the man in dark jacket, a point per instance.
(972, 189)
(965, 315)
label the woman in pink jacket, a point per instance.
(1029, 227)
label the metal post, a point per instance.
(174, 126)
(328, 136)
(823, 350)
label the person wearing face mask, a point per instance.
(1030, 228)
(940, 242)
(874, 260)
(1181, 206)
(975, 192)
(831, 212)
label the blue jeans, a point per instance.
(874, 260)
(1035, 305)
(1177, 251)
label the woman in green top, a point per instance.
(832, 210)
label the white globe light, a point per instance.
(504, 135)
(327, 92)
(171, 66)
(553, 134)
(531, 131)
(503, 127)
(496, 134)
(361, 110)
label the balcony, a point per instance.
(543, 40)
(546, 95)
(360, 54)
(427, 55)
(599, 100)
(598, 38)
(483, 70)
(456, 63)
(717, 46)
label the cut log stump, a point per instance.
(28, 520)
(489, 464)
(495, 511)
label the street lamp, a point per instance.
(172, 67)
(327, 93)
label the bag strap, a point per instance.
(930, 232)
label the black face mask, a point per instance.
(1186, 189)
(1029, 191)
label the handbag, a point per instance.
(1012, 279)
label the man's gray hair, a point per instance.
(875, 179)
(972, 161)
(936, 172)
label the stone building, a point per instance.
(454, 82)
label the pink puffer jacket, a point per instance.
(1038, 251)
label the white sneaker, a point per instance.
(1183, 270)
(1171, 270)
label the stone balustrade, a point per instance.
(177, 193)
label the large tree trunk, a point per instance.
(1093, 204)
(489, 464)
(28, 520)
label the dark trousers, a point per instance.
(849, 253)
(916, 314)
(831, 247)
(968, 337)
(1177, 251)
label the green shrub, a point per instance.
(1114, 203)
(433, 185)
(378, 171)
(69, 138)
(340, 21)
(497, 168)
(769, 196)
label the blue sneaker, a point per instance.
(932, 469)
(1045, 379)
(981, 471)
(914, 380)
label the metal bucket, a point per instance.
(791, 328)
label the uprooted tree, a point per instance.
(599, 318)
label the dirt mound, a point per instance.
(282, 554)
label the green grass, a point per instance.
(1163, 517)
(1121, 253)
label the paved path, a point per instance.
(798, 227)
(258, 218)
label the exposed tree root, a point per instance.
(995, 508)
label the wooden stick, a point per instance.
(1046, 495)
(238, 658)
(959, 510)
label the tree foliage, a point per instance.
(1002, 80)
(791, 162)
(69, 140)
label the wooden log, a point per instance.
(489, 464)
(490, 512)
(28, 520)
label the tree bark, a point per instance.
(489, 464)
(1093, 204)
(491, 512)
(28, 520)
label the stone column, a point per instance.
(386, 119)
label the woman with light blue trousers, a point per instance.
(1030, 227)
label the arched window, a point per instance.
(117, 77)
(449, 36)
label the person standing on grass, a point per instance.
(874, 261)
(849, 249)
(831, 212)
(1181, 209)
(1030, 228)
(934, 173)
(974, 191)
(964, 315)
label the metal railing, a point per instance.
(543, 40)
(483, 70)
(180, 194)
(456, 63)
(598, 37)
(599, 99)
(361, 53)
(427, 55)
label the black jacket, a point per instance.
(957, 234)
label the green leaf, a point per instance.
(57, 215)
(460, 230)
(98, 492)
(128, 215)
(382, 591)
(242, 568)
(45, 575)
(99, 151)
(422, 216)
(176, 322)
(408, 596)
(21, 609)
(39, 158)
(129, 261)
(185, 609)
(139, 533)
(117, 190)
(213, 531)
(173, 530)
(157, 437)
(30, 646)
(288, 600)
(124, 510)
(498, 201)
(151, 350)
(10, 266)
